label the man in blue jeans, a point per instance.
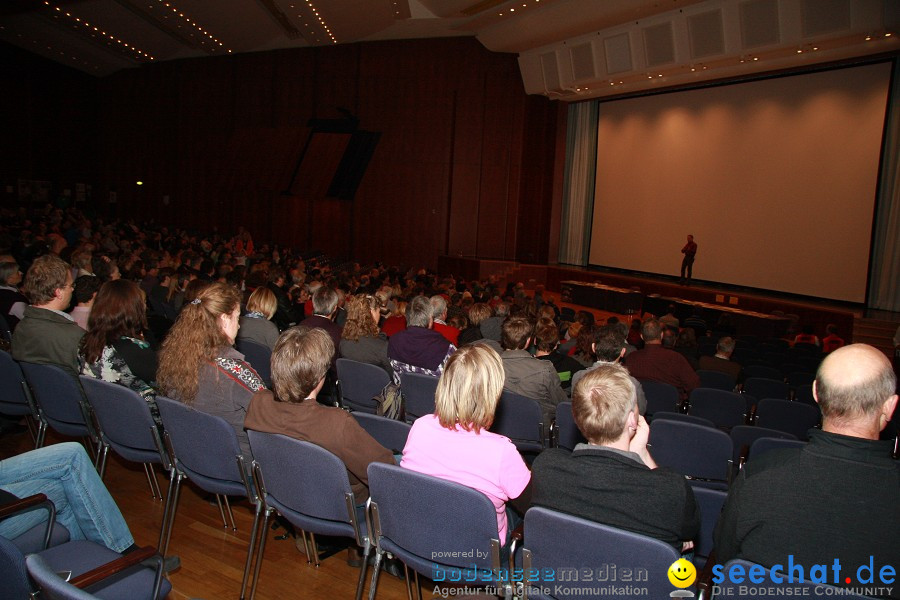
(66, 475)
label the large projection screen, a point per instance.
(775, 179)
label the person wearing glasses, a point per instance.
(47, 334)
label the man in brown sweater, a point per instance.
(299, 363)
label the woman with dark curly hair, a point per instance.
(198, 365)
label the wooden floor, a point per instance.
(212, 557)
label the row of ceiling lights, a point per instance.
(94, 30)
(193, 24)
(310, 31)
(511, 11)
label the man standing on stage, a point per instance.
(687, 264)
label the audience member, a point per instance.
(396, 320)
(492, 327)
(300, 362)
(659, 364)
(835, 500)
(360, 338)
(806, 336)
(198, 365)
(455, 442)
(524, 374)
(12, 301)
(439, 316)
(85, 291)
(669, 319)
(285, 312)
(613, 479)
(686, 345)
(546, 341)
(609, 347)
(722, 360)
(418, 348)
(325, 304)
(256, 324)
(46, 334)
(832, 341)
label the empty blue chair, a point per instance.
(127, 427)
(418, 394)
(15, 396)
(804, 394)
(308, 486)
(674, 416)
(557, 543)
(697, 452)
(710, 503)
(53, 587)
(798, 378)
(724, 409)
(743, 436)
(360, 383)
(761, 387)
(520, 419)
(763, 371)
(441, 529)
(259, 357)
(566, 433)
(660, 396)
(204, 448)
(764, 444)
(61, 402)
(390, 433)
(716, 380)
(795, 418)
(769, 589)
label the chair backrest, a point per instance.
(204, 445)
(60, 398)
(133, 582)
(725, 409)
(660, 396)
(567, 433)
(13, 399)
(764, 444)
(52, 586)
(428, 522)
(795, 418)
(13, 572)
(301, 476)
(761, 387)
(259, 357)
(804, 394)
(716, 380)
(769, 589)
(710, 503)
(390, 433)
(573, 549)
(744, 435)
(799, 377)
(692, 450)
(763, 371)
(676, 416)
(520, 419)
(125, 420)
(360, 383)
(418, 394)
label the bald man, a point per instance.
(836, 498)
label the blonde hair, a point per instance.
(299, 362)
(359, 317)
(263, 301)
(469, 389)
(195, 338)
(601, 402)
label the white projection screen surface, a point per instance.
(775, 179)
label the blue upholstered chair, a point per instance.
(360, 383)
(418, 394)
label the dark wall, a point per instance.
(464, 165)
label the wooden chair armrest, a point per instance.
(116, 566)
(516, 538)
(744, 454)
(12, 508)
(704, 578)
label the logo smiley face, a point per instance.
(682, 573)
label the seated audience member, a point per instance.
(686, 345)
(439, 316)
(360, 338)
(696, 322)
(46, 334)
(669, 319)
(478, 312)
(395, 321)
(492, 327)
(285, 314)
(660, 364)
(325, 305)
(256, 324)
(454, 443)
(114, 348)
(66, 475)
(198, 365)
(524, 374)
(418, 348)
(300, 361)
(609, 347)
(722, 360)
(836, 499)
(584, 343)
(634, 335)
(86, 287)
(546, 341)
(12, 301)
(832, 341)
(613, 479)
(806, 336)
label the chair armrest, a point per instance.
(742, 457)
(116, 566)
(705, 577)
(516, 537)
(553, 434)
(21, 505)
